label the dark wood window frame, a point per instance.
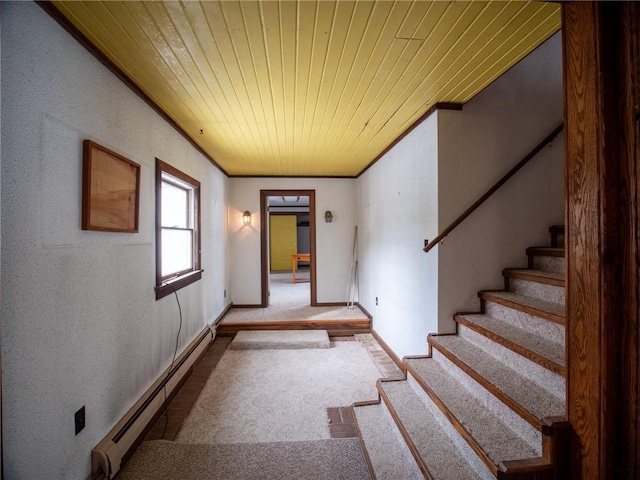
(165, 286)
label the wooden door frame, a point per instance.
(264, 240)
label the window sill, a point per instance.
(167, 288)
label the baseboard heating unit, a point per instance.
(108, 456)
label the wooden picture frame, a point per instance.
(110, 190)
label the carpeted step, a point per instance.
(490, 428)
(540, 276)
(547, 286)
(438, 447)
(552, 331)
(547, 259)
(389, 455)
(544, 378)
(280, 339)
(511, 386)
(534, 347)
(319, 459)
(553, 312)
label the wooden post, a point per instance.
(601, 87)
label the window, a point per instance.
(177, 229)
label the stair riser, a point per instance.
(551, 331)
(485, 398)
(396, 433)
(389, 454)
(547, 380)
(543, 291)
(461, 444)
(548, 264)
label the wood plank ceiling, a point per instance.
(308, 88)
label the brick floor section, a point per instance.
(383, 361)
(341, 422)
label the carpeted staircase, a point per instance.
(488, 401)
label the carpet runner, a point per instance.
(280, 339)
(320, 460)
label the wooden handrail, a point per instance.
(493, 189)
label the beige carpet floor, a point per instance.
(284, 292)
(279, 395)
(291, 302)
(319, 460)
(280, 339)
(263, 415)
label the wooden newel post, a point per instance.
(601, 90)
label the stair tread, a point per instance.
(437, 450)
(530, 341)
(512, 383)
(496, 439)
(541, 274)
(389, 455)
(555, 309)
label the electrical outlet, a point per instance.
(80, 420)
(376, 301)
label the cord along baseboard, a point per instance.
(107, 457)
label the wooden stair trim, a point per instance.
(368, 403)
(549, 252)
(517, 348)
(403, 431)
(413, 357)
(545, 251)
(365, 452)
(471, 441)
(556, 441)
(534, 421)
(532, 275)
(487, 295)
(333, 327)
(515, 468)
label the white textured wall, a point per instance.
(477, 146)
(334, 241)
(397, 211)
(433, 175)
(81, 323)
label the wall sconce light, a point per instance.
(246, 217)
(328, 216)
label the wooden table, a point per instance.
(295, 258)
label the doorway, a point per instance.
(291, 213)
